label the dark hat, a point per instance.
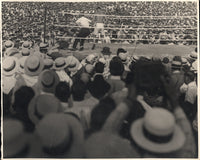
(106, 51)
(60, 135)
(121, 50)
(165, 60)
(42, 105)
(48, 80)
(98, 87)
(116, 66)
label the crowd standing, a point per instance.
(176, 29)
(107, 105)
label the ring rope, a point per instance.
(105, 15)
(60, 37)
(122, 28)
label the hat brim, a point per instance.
(9, 73)
(12, 45)
(37, 72)
(59, 68)
(48, 89)
(177, 141)
(75, 68)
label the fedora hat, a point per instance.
(157, 132)
(60, 63)
(15, 139)
(48, 63)
(26, 44)
(25, 52)
(106, 51)
(48, 80)
(72, 63)
(42, 105)
(121, 50)
(60, 135)
(9, 44)
(22, 61)
(10, 66)
(33, 65)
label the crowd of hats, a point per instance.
(48, 111)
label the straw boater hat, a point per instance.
(176, 65)
(194, 66)
(42, 105)
(26, 44)
(9, 44)
(48, 63)
(25, 52)
(33, 65)
(48, 80)
(158, 132)
(60, 135)
(22, 61)
(72, 63)
(193, 55)
(60, 63)
(15, 140)
(10, 66)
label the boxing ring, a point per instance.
(134, 45)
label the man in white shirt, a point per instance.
(84, 31)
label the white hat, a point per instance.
(157, 132)
(10, 66)
(194, 66)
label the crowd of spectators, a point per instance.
(22, 21)
(107, 105)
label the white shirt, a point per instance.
(8, 83)
(191, 92)
(84, 22)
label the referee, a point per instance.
(84, 31)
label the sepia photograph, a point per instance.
(99, 79)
